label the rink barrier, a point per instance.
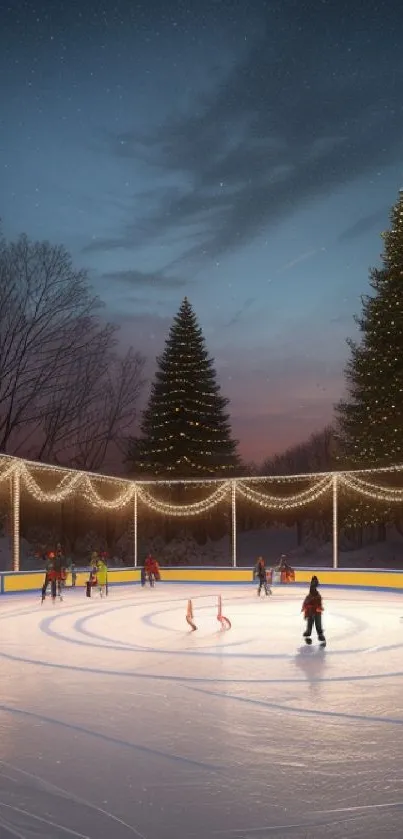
(26, 581)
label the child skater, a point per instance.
(312, 609)
(102, 577)
(260, 572)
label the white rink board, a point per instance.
(117, 721)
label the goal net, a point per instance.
(197, 604)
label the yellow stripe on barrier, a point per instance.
(363, 579)
(132, 575)
(25, 581)
(208, 575)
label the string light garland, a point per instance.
(73, 482)
(335, 520)
(194, 509)
(64, 489)
(233, 522)
(376, 493)
(273, 502)
(93, 497)
(16, 491)
(8, 471)
(367, 486)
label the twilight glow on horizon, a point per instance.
(244, 155)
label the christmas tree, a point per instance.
(371, 417)
(185, 428)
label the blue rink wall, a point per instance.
(26, 581)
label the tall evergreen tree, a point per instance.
(371, 417)
(185, 428)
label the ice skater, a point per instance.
(102, 577)
(151, 571)
(93, 578)
(261, 573)
(50, 579)
(312, 608)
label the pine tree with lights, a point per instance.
(185, 428)
(371, 418)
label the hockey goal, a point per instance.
(217, 606)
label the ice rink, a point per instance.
(116, 721)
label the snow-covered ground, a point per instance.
(117, 721)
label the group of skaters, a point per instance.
(312, 607)
(57, 570)
(283, 569)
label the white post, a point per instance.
(233, 522)
(335, 523)
(16, 492)
(135, 544)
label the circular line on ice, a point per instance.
(184, 679)
(47, 628)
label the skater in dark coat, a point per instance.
(312, 608)
(260, 573)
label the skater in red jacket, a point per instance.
(312, 608)
(151, 570)
(50, 578)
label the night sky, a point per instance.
(243, 154)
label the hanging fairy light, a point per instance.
(373, 491)
(94, 498)
(273, 502)
(73, 482)
(16, 518)
(68, 484)
(194, 509)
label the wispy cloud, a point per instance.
(277, 134)
(301, 258)
(239, 314)
(363, 225)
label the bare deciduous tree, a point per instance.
(65, 394)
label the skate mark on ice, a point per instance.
(49, 787)
(307, 712)
(270, 831)
(32, 816)
(10, 831)
(109, 739)
(392, 805)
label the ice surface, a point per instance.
(116, 721)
